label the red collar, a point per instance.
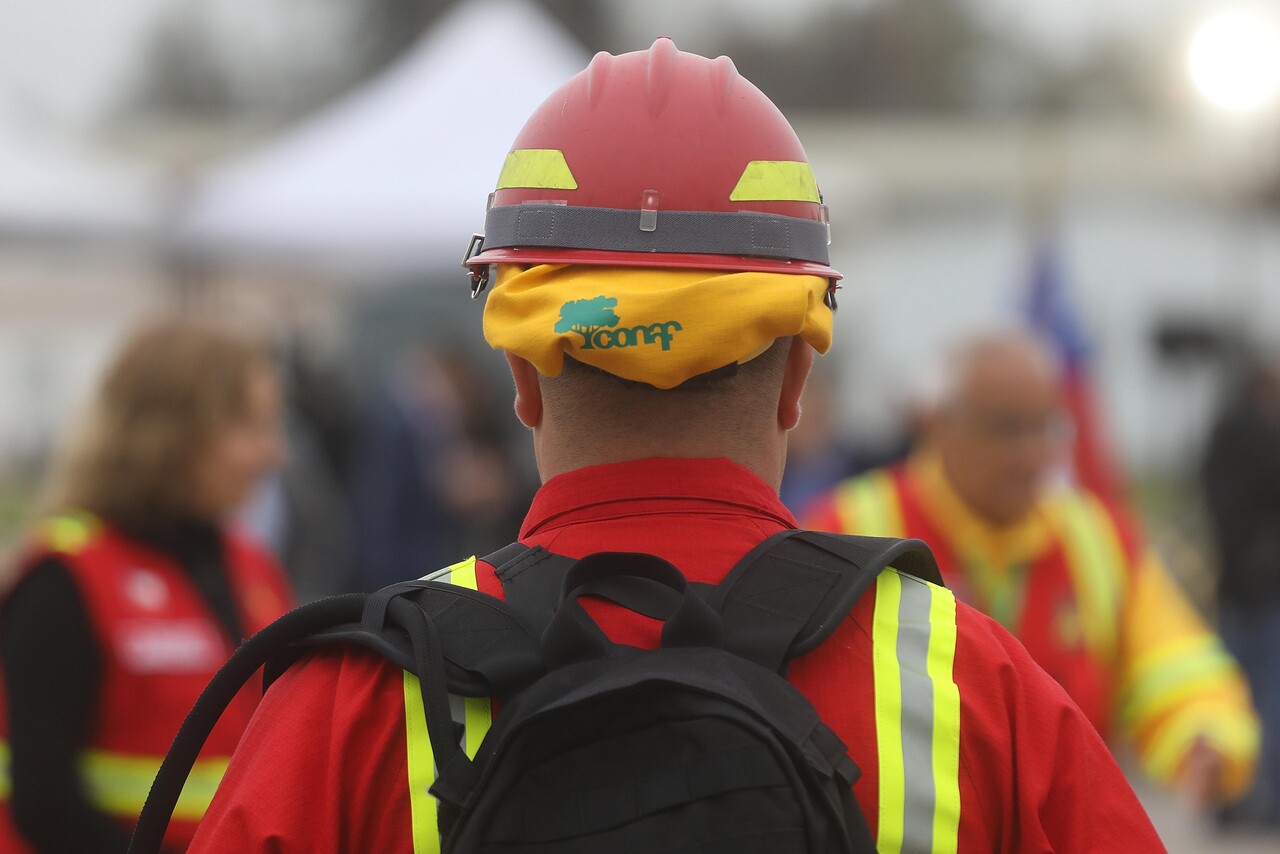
(650, 487)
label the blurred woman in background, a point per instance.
(133, 590)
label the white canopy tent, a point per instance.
(395, 176)
(51, 187)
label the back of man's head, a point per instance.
(656, 243)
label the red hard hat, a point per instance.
(656, 158)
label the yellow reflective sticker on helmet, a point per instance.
(543, 168)
(776, 181)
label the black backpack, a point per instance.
(698, 746)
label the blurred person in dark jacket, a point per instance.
(433, 472)
(303, 512)
(132, 591)
(1241, 476)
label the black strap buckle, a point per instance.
(480, 273)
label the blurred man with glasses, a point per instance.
(1063, 570)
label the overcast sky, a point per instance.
(63, 61)
(1058, 24)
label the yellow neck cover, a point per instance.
(654, 326)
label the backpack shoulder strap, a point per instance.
(490, 647)
(532, 593)
(532, 579)
(509, 554)
(789, 593)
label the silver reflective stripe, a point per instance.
(444, 575)
(917, 716)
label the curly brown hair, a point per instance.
(173, 385)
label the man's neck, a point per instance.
(556, 458)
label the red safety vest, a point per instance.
(159, 645)
(1069, 614)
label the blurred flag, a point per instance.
(1050, 312)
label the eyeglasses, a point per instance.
(1057, 428)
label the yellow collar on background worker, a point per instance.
(651, 325)
(975, 539)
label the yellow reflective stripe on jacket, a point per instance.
(422, 769)
(917, 705)
(477, 714)
(1098, 565)
(68, 532)
(1179, 685)
(868, 505)
(1234, 737)
(1181, 670)
(1172, 659)
(421, 760)
(118, 783)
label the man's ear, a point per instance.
(528, 391)
(799, 362)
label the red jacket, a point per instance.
(160, 644)
(323, 765)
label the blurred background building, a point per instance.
(317, 166)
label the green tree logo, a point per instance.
(587, 316)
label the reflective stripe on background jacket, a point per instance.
(1093, 607)
(159, 645)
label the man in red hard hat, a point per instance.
(658, 249)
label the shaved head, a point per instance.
(998, 421)
(1013, 357)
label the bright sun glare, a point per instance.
(1234, 60)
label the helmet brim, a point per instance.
(605, 258)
